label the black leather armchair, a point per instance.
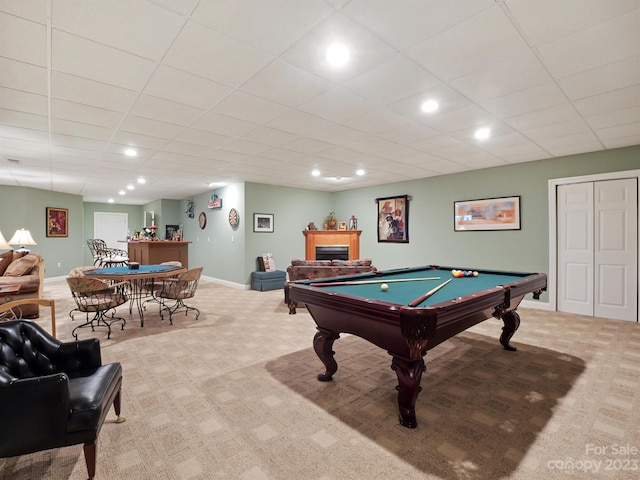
(53, 394)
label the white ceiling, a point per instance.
(239, 90)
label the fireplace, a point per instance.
(347, 239)
(332, 252)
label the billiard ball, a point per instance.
(384, 287)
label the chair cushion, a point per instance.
(21, 267)
(5, 260)
(90, 395)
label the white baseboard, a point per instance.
(537, 305)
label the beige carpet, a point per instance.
(234, 395)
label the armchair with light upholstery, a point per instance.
(53, 394)
(26, 271)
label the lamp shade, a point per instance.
(3, 243)
(22, 237)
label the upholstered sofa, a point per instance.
(26, 271)
(311, 269)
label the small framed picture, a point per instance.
(57, 222)
(342, 225)
(263, 222)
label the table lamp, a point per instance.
(3, 243)
(22, 237)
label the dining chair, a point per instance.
(174, 291)
(108, 257)
(94, 296)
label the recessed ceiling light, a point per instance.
(110, 200)
(360, 172)
(130, 152)
(122, 192)
(482, 133)
(338, 55)
(130, 187)
(142, 180)
(315, 173)
(429, 106)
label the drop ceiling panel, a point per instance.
(267, 26)
(202, 51)
(286, 84)
(89, 92)
(391, 81)
(415, 21)
(473, 45)
(249, 108)
(23, 40)
(185, 88)
(77, 112)
(22, 76)
(119, 25)
(608, 42)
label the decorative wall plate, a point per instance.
(202, 220)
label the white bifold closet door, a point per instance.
(598, 249)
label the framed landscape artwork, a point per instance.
(487, 214)
(57, 222)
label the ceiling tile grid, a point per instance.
(241, 90)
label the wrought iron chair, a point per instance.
(93, 296)
(174, 291)
(53, 394)
(106, 256)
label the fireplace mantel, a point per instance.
(350, 238)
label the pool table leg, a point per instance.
(323, 345)
(409, 373)
(511, 321)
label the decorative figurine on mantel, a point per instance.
(312, 226)
(330, 222)
(353, 223)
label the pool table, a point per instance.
(358, 305)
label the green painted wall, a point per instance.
(293, 209)
(229, 255)
(26, 208)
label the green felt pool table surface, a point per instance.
(404, 292)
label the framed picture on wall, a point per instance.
(263, 222)
(487, 214)
(393, 219)
(57, 222)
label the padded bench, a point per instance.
(264, 281)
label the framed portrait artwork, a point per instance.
(263, 222)
(57, 222)
(393, 219)
(487, 214)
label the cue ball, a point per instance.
(384, 287)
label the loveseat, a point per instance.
(312, 269)
(26, 271)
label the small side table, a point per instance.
(6, 291)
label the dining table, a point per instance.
(141, 281)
